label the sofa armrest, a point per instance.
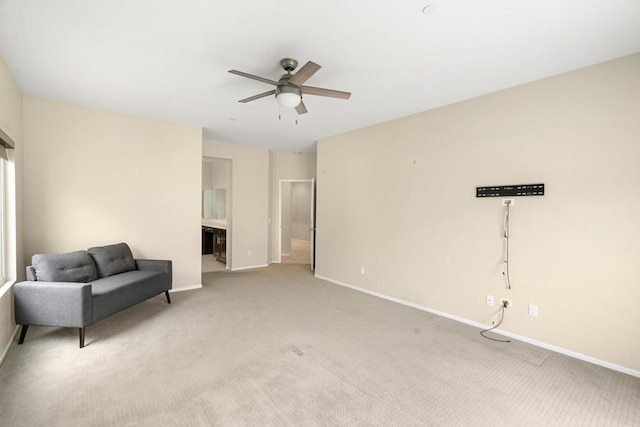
(155, 265)
(31, 273)
(65, 304)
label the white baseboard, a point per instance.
(251, 267)
(186, 288)
(9, 344)
(537, 343)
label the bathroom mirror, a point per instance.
(214, 203)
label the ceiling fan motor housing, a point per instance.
(285, 87)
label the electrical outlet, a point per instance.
(507, 301)
(489, 299)
(533, 310)
(361, 270)
(509, 202)
(249, 252)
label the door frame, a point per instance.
(229, 205)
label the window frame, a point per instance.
(3, 221)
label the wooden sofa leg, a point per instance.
(81, 330)
(166, 293)
(23, 333)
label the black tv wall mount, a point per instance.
(510, 190)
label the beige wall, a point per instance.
(94, 177)
(286, 166)
(285, 218)
(248, 222)
(301, 210)
(399, 199)
(207, 175)
(11, 124)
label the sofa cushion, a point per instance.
(75, 266)
(112, 259)
(115, 293)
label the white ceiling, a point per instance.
(169, 58)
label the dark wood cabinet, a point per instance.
(207, 240)
(220, 245)
(214, 241)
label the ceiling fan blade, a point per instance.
(254, 97)
(301, 109)
(251, 76)
(310, 90)
(304, 73)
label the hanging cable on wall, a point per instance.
(506, 234)
(499, 323)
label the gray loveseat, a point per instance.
(79, 288)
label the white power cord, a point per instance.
(505, 264)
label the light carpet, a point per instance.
(277, 347)
(300, 253)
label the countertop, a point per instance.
(215, 223)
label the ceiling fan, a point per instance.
(289, 88)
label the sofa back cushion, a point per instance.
(112, 259)
(70, 267)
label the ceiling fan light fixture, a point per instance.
(288, 99)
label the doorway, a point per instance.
(216, 214)
(296, 240)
